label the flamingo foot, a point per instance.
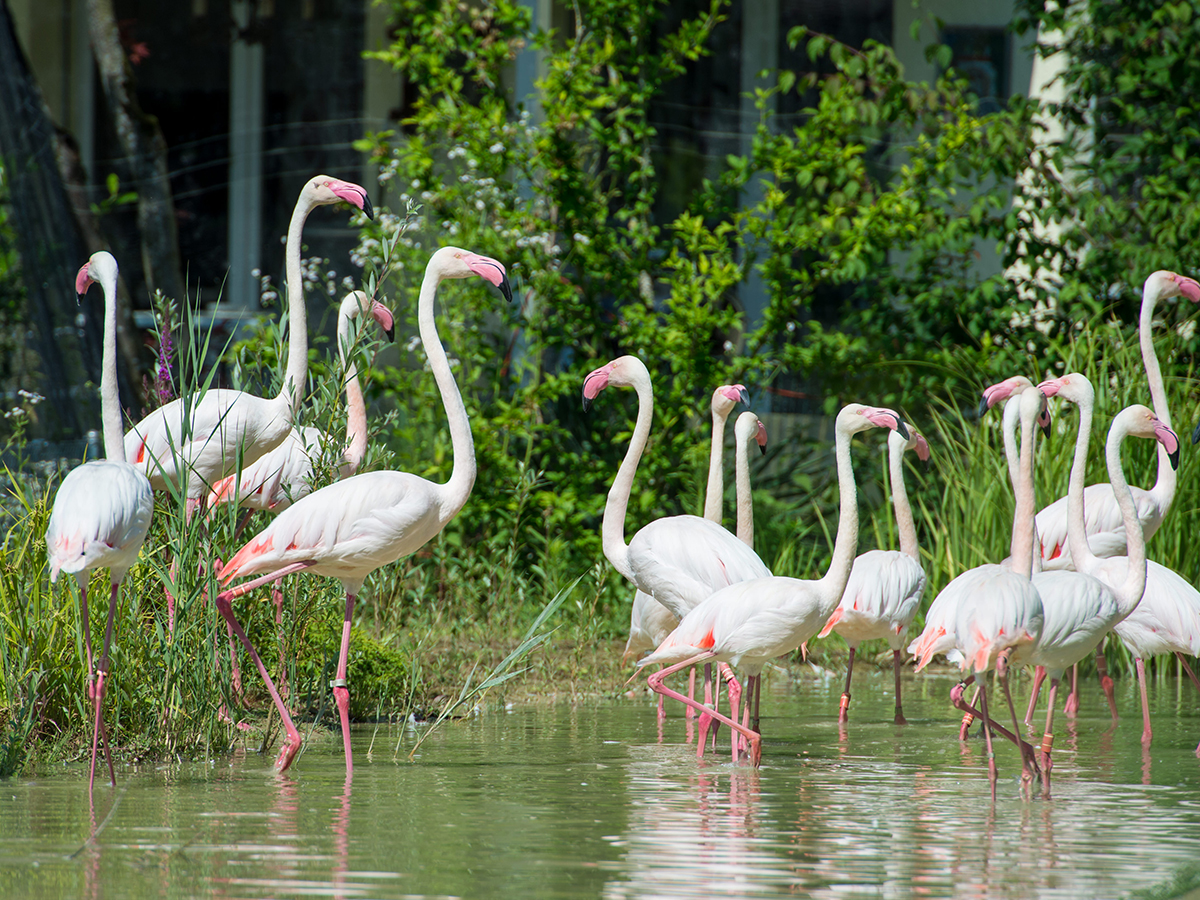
(1071, 707)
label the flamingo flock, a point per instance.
(1077, 570)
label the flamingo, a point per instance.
(198, 440)
(678, 560)
(937, 637)
(1168, 618)
(649, 620)
(1105, 528)
(1076, 616)
(885, 586)
(284, 475)
(352, 527)
(751, 622)
(103, 508)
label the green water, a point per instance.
(587, 801)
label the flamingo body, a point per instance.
(1077, 611)
(100, 518)
(1168, 618)
(881, 598)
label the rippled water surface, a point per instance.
(589, 801)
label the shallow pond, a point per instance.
(589, 800)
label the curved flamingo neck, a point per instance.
(845, 544)
(745, 500)
(356, 407)
(612, 529)
(1130, 593)
(714, 491)
(905, 527)
(454, 493)
(1081, 552)
(1166, 481)
(295, 379)
(110, 401)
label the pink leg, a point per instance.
(705, 718)
(1028, 763)
(757, 688)
(1147, 731)
(1048, 740)
(1106, 683)
(964, 728)
(691, 713)
(897, 662)
(1187, 668)
(987, 737)
(735, 697)
(1039, 675)
(956, 698)
(656, 684)
(174, 567)
(341, 692)
(277, 597)
(292, 742)
(843, 714)
(1071, 707)
(98, 730)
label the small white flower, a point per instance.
(496, 148)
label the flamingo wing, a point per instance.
(101, 514)
(1102, 522)
(1077, 611)
(1167, 620)
(881, 597)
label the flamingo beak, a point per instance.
(354, 194)
(83, 279)
(736, 392)
(1050, 387)
(922, 447)
(886, 418)
(1170, 442)
(761, 437)
(1043, 421)
(491, 271)
(384, 319)
(1189, 287)
(596, 381)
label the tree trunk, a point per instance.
(145, 154)
(68, 344)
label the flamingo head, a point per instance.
(625, 371)
(1072, 387)
(356, 303)
(1170, 284)
(1140, 421)
(749, 427)
(99, 265)
(855, 417)
(1002, 390)
(726, 397)
(384, 319)
(454, 262)
(325, 189)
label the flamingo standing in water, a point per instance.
(998, 617)
(885, 586)
(103, 508)
(752, 622)
(352, 527)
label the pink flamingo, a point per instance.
(751, 622)
(198, 440)
(352, 527)
(103, 508)
(885, 586)
(678, 560)
(1105, 528)
(1076, 616)
(937, 637)
(998, 620)
(649, 620)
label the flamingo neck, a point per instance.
(845, 544)
(294, 382)
(1081, 553)
(1130, 593)
(454, 492)
(1022, 533)
(110, 401)
(745, 500)
(905, 527)
(1167, 479)
(612, 529)
(356, 407)
(715, 489)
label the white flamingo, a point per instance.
(352, 527)
(103, 508)
(752, 622)
(1168, 618)
(1105, 529)
(678, 560)
(885, 586)
(198, 440)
